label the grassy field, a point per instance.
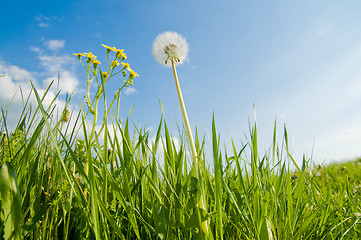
(62, 179)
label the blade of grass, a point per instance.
(10, 202)
(218, 181)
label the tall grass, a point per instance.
(61, 179)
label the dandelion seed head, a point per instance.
(170, 46)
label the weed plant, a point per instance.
(61, 179)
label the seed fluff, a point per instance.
(170, 46)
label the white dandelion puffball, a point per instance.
(170, 46)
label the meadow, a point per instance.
(63, 178)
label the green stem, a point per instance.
(186, 122)
(200, 204)
(94, 120)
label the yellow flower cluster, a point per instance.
(115, 63)
(91, 58)
(132, 74)
(119, 53)
(120, 56)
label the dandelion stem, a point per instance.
(201, 203)
(186, 122)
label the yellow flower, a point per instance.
(90, 57)
(79, 55)
(96, 63)
(125, 65)
(105, 75)
(114, 64)
(108, 48)
(119, 54)
(132, 75)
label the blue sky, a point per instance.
(297, 61)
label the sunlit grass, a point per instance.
(61, 179)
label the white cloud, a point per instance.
(17, 77)
(59, 65)
(350, 134)
(43, 25)
(7, 90)
(67, 81)
(130, 90)
(35, 49)
(44, 22)
(55, 63)
(14, 79)
(55, 44)
(16, 73)
(14, 76)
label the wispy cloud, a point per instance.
(43, 21)
(55, 44)
(14, 77)
(17, 78)
(54, 66)
(8, 88)
(67, 81)
(130, 90)
(18, 74)
(350, 134)
(35, 49)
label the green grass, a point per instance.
(55, 185)
(61, 179)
